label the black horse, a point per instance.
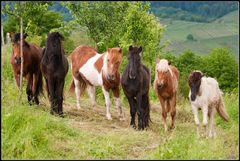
(135, 83)
(54, 66)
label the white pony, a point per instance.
(206, 95)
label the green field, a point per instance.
(30, 132)
(223, 32)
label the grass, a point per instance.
(30, 132)
(222, 32)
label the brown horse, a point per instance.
(32, 55)
(54, 67)
(165, 85)
(90, 69)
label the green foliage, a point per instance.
(221, 64)
(37, 19)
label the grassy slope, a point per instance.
(30, 132)
(209, 35)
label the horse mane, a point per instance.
(164, 66)
(54, 44)
(17, 37)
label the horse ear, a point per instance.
(130, 48)
(108, 50)
(169, 62)
(25, 35)
(12, 36)
(119, 50)
(140, 49)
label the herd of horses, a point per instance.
(91, 69)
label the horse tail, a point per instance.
(82, 85)
(221, 109)
(146, 110)
(72, 87)
(39, 89)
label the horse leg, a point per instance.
(205, 121)
(77, 91)
(164, 113)
(211, 112)
(92, 94)
(29, 89)
(34, 88)
(140, 112)
(118, 103)
(173, 110)
(133, 110)
(47, 88)
(59, 94)
(196, 119)
(107, 102)
(146, 110)
(51, 87)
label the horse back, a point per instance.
(81, 55)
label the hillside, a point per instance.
(206, 11)
(223, 32)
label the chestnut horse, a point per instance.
(90, 69)
(210, 102)
(32, 55)
(54, 67)
(165, 86)
(135, 83)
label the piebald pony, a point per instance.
(90, 69)
(205, 94)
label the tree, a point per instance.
(38, 20)
(112, 24)
(221, 64)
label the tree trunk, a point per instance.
(2, 37)
(21, 52)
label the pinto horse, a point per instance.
(54, 67)
(90, 69)
(210, 102)
(32, 55)
(165, 86)
(135, 83)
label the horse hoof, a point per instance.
(109, 117)
(133, 126)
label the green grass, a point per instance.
(30, 132)
(223, 32)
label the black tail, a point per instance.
(146, 108)
(39, 89)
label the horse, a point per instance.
(54, 66)
(209, 102)
(135, 83)
(90, 69)
(32, 55)
(165, 86)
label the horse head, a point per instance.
(194, 82)
(15, 38)
(134, 59)
(163, 72)
(112, 62)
